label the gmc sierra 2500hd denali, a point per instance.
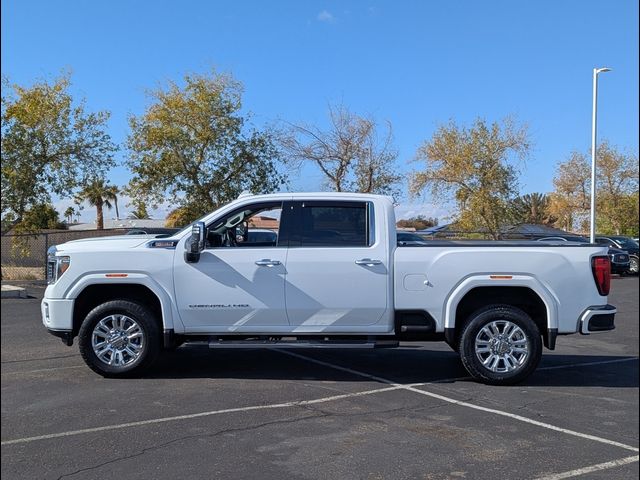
(332, 276)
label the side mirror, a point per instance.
(242, 232)
(195, 244)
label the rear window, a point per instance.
(343, 224)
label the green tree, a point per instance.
(41, 216)
(532, 208)
(353, 154)
(140, 210)
(192, 146)
(616, 189)
(114, 191)
(69, 213)
(50, 144)
(419, 222)
(477, 167)
(569, 201)
(181, 216)
(98, 193)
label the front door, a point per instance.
(238, 283)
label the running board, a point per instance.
(302, 343)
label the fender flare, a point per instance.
(502, 280)
(135, 278)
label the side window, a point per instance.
(334, 224)
(255, 225)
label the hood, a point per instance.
(118, 242)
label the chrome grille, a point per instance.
(51, 271)
(621, 258)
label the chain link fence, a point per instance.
(24, 256)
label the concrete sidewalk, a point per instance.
(11, 291)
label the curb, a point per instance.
(10, 291)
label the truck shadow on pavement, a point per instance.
(401, 366)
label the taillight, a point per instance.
(601, 267)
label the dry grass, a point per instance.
(22, 273)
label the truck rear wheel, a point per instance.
(119, 338)
(500, 345)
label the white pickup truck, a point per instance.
(330, 275)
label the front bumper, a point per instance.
(57, 314)
(598, 319)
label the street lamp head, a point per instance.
(602, 70)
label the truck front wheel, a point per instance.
(119, 338)
(500, 345)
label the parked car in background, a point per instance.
(623, 243)
(408, 239)
(620, 259)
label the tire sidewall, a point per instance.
(480, 319)
(145, 320)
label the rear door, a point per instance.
(337, 270)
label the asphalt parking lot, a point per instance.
(371, 414)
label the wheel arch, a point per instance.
(90, 294)
(520, 291)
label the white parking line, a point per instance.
(26, 372)
(592, 468)
(393, 386)
(412, 388)
(203, 414)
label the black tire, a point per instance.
(530, 336)
(149, 349)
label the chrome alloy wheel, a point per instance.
(502, 346)
(117, 340)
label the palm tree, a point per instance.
(532, 208)
(69, 213)
(99, 194)
(114, 191)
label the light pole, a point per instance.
(596, 71)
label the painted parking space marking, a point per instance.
(392, 386)
(190, 416)
(592, 468)
(412, 388)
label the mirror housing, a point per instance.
(195, 244)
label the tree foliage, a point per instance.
(352, 154)
(191, 146)
(98, 193)
(532, 208)
(616, 191)
(180, 217)
(570, 200)
(50, 144)
(41, 216)
(419, 222)
(477, 167)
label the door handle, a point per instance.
(368, 262)
(265, 262)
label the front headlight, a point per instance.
(56, 266)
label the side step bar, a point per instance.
(292, 342)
